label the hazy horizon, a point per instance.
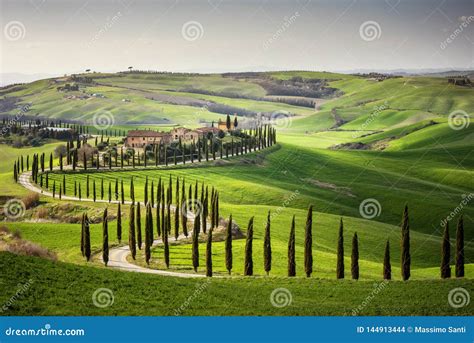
(55, 38)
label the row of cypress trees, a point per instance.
(259, 138)
(135, 240)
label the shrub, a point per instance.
(31, 200)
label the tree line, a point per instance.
(163, 222)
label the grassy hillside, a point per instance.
(65, 289)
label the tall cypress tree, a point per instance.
(267, 247)
(209, 254)
(291, 250)
(195, 247)
(405, 258)
(184, 215)
(139, 227)
(94, 194)
(308, 243)
(166, 248)
(147, 234)
(228, 246)
(460, 248)
(248, 264)
(340, 252)
(387, 267)
(119, 223)
(105, 235)
(122, 194)
(445, 254)
(87, 239)
(355, 257)
(132, 243)
(83, 222)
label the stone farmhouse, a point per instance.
(141, 138)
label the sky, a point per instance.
(58, 37)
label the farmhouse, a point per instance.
(142, 138)
(221, 125)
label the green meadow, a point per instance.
(391, 141)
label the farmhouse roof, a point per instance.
(145, 133)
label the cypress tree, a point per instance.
(87, 186)
(209, 254)
(102, 189)
(184, 215)
(131, 232)
(110, 192)
(195, 247)
(64, 184)
(105, 235)
(405, 258)
(93, 190)
(147, 234)
(267, 247)
(445, 254)
(340, 252)
(166, 248)
(248, 264)
(139, 227)
(176, 212)
(82, 233)
(158, 218)
(308, 243)
(146, 191)
(119, 221)
(291, 250)
(116, 189)
(87, 239)
(54, 189)
(132, 190)
(460, 248)
(79, 191)
(228, 246)
(387, 267)
(355, 257)
(122, 194)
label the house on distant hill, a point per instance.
(142, 138)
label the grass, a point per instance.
(428, 167)
(66, 289)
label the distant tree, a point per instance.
(228, 246)
(195, 247)
(387, 267)
(94, 194)
(119, 220)
(308, 243)
(267, 247)
(139, 227)
(105, 235)
(460, 248)
(445, 253)
(406, 258)
(209, 254)
(355, 257)
(235, 122)
(227, 123)
(131, 231)
(291, 250)
(340, 252)
(87, 239)
(248, 264)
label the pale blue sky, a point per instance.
(69, 36)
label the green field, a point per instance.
(412, 156)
